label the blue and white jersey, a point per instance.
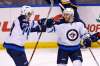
(20, 30)
(69, 34)
(18, 35)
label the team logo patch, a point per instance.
(72, 35)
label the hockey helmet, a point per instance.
(26, 9)
(68, 11)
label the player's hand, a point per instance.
(87, 42)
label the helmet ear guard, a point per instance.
(26, 9)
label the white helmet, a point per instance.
(68, 11)
(26, 9)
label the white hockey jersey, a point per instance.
(19, 32)
(17, 37)
(69, 34)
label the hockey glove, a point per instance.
(87, 42)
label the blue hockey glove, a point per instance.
(87, 42)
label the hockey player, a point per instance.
(70, 4)
(69, 34)
(19, 32)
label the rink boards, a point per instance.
(89, 14)
(30, 45)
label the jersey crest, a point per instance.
(72, 34)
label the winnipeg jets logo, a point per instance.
(72, 34)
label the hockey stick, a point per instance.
(61, 6)
(93, 57)
(41, 32)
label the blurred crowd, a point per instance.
(40, 2)
(22, 2)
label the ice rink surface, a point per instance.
(47, 57)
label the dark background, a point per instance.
(42, 2)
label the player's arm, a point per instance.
(85, 35)
(93, 38)
(40, 26)
(35, 27)
(48, 26)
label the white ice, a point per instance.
(47, 57)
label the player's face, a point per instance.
(67, 17)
